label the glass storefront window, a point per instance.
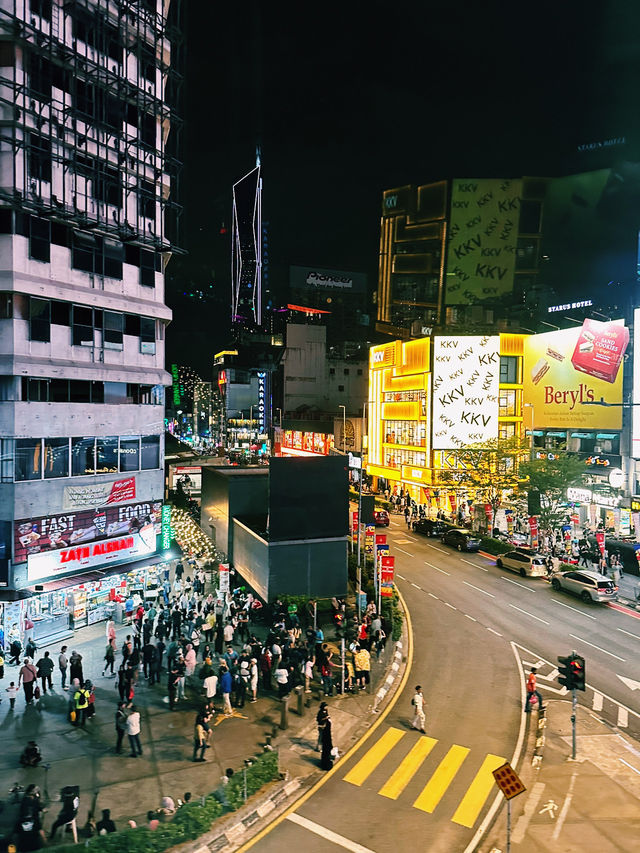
(150, 456)
(28, 459)
(56, 457)
(107, 455)
(83, 456)
(130, 453)
(507, 404)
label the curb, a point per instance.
(536, 758)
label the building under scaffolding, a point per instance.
(88, 221)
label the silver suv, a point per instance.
(528, 564)
(590, 586)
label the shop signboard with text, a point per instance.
(94, 495)
(466, 377)
(52, 532)
(119, 549)
(563, 370)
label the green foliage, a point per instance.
(194, 819)
(494, 546)
(380, 502)
(261, 772)
(552, 478)
(392, 613)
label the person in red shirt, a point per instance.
(532, 690)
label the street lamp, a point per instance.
(344, 429)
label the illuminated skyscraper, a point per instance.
(246, 250)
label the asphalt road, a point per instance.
(476, 628)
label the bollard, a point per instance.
(300, 697)
(284, 715)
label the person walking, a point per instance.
(326, 756)
(532, 690)
(109, 658)
(81, 704)
(226, 683)
(418, 707)
(199, 739)
(156, 663)
(121, 725)
(133, 732)
(27, 677)
(63, 663)
(75, 667)
(172, 684)
(110, 631)
(45, 671)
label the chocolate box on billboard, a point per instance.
(600, 349)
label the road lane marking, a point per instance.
(597, 701)
(404, 541)
(628, 633)
(416, 585)
(497, 633)
(630, 766)
(399, 780)
(623, 717)
(483, 591)
(521, 585)
(475, 565)
(450, 605)
(528, 614)
(437, 569)
(599, 648)
(404, 552)
(565, 808)
(360, 772)
(435, 548)
(471, 804)
(434, 596)
(435, 788)
(323, 832)
(575, 609)
(470, 617)
(402, 577)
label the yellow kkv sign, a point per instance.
(559, 376)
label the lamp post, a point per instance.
(359, 581)
(344, 429)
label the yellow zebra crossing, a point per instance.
(438, 780)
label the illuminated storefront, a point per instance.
(299, 443)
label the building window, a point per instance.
(41, 8)
(35, 390)
(39, 239)
(113, 331)
(507, 404)
(147, 200)
(150, 457)
(508, 369)
(6, 306)
(112, 258)
(83, 452)
(28, 459)
(340, 387)
(332, 371)
(107, 186)
(39, 157)
(60, 313)
(346, 371)
(130, 453)
(506, 430)
(59, 391)
(107, 455)
(147, 268)
(82, 330)
(79, 391)
(147, 335)
(83, 251)
(56, 458)
(39, 319)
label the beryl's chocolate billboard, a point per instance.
(563, 370)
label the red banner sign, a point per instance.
(533, 527)
(600, 540)
(381, 538)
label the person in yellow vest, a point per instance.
(81, 704)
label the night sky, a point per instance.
(346, 100)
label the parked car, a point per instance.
(463, 540)
(590, 586)
(431, 526)
(527, 563)
(381, 518)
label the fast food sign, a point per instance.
(565, 369)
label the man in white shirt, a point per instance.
(133, 731)
(418, 706)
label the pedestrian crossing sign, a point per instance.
(508, 781)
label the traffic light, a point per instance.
(578, 672)
(565, 672)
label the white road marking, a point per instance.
(450, 605)
(521, 585)
(483, 591)
(575, 609)
(629, 682)
(497, 633)
(565, 808)
(599, 648)
(402, 577)
(434, 596)
(630, 766)
(597, 701)
(323, 832)
(409, 539)
(416, 585)
(405, 552)
(623, 717)
(628, 633)
(470, 617)
(435, 548)
(436, 568)
(475, 565)
(404, 541)
(528, 614)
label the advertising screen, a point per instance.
(635, 432)
(485, 215)
(52, 532)
(570, 367)
(466, 378)
(317, 278)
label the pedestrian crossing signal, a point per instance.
(578, 672)
(508, 781)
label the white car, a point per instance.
(528, 565)
(590, 586)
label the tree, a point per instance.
(552, 478)
(490, 470)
